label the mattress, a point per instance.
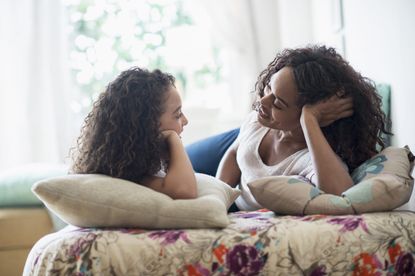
(255, 243)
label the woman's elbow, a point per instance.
(188, 190)
(186, 194)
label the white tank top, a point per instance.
(252, 167)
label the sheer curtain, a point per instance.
(232, 28)
(34, 99)
(233, 23)
(248, 34)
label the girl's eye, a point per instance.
(276, 106)
(179, 115)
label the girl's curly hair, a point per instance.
(121, 136)
(319, 73)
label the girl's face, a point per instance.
(278, 107)
(173, 117)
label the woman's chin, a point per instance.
(261, 118)
(267, 123)
(263, 121)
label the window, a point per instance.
(110, 36)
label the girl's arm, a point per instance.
(180, 180)
(332, 176)
(228, 170)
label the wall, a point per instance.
(380, 41)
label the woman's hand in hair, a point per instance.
(331, 174)
(330, 110)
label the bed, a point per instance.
(254, 243)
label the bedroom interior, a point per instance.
(39, 125)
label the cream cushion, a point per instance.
(382, 183)
(92, 200)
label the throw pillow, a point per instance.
(392, 160)
(93, 200)
(383, 183)
(293, 195)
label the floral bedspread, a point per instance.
(255, 243)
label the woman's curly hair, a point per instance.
(121, 136)
(319, 73)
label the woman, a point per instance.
(315, 117)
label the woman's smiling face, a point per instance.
(278, 107)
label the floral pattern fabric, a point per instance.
(255, 243)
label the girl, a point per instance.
(133, 133)
(315, 117)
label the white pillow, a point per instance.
(92, 200)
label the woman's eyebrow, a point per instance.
(282, 101)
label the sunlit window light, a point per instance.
(173, 35)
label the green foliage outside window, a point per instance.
(109, 36)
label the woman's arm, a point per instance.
(332, 176)
(228, 170)
(180, 180)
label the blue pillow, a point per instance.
(206, 154)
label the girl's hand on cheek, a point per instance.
(169, 135)
(328, 111)
(167, 132)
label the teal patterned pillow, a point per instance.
(391, 160)
(372, 166)
(383, 183)
(294, 195)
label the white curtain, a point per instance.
(234, 26)
(34, 99)
(233, 22)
